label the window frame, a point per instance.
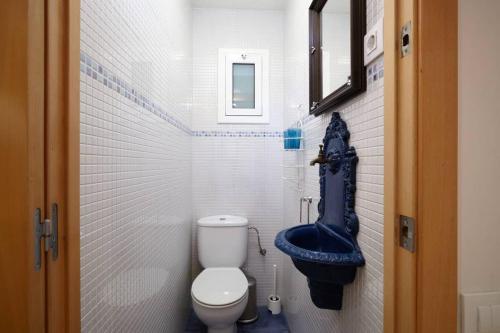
(226, 112)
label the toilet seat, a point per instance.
(221, 307)
(219, 287)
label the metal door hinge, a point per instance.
(48, 231)
(407, 233)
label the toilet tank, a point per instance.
(222, 241)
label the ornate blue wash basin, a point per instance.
(327, 251)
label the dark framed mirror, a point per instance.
(336, 69)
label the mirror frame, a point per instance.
(317, 103)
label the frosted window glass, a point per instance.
(243, 86)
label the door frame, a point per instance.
(413, 181)
(62, 156)
(40, 121)
(428, 190)
(420, 166)
(74, 166)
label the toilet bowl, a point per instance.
(220, 296)
(220, 291)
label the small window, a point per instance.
(243, 86)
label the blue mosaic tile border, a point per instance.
(239, 134)
(96, 71)
(375, 72)
(93, 69)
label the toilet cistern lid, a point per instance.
(219, 286)
(223, 221)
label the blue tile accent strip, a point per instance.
(239, 134)
(97, 71)
(93, 69)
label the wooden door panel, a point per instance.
(437, 157)
(22, 301)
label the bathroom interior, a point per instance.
(167, 164)
(235, 168)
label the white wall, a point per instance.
(135, 165)
(234, 28)
(363, 300)
(479, 153)
(237, 168)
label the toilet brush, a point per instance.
(274, 301)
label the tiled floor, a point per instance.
(267, 323)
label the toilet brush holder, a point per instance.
(274, 301)
(274, 304)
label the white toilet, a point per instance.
(220, 291)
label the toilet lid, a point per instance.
(219, 286)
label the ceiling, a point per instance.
(240, 4)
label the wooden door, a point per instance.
(39, 130)
(420, 287)
(22, 288)
(437, 255)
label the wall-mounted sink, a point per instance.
(327, 251)
(326, 255)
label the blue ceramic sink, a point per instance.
(327, 251)
(328, 258)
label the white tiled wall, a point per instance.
(136, 90)
(154, 160)
(232, 174)
(240, 29)
(363, 300)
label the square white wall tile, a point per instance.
(135, 92)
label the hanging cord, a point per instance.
(261, 250)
